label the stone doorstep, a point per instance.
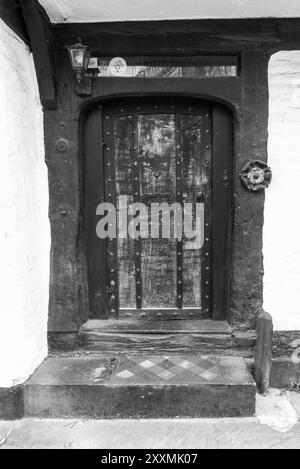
(11, 403)
(56, 375)
(88, 386)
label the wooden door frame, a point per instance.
(222, 202)
(92, 169)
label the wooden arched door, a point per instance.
(159, 152)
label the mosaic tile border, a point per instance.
(167, 369)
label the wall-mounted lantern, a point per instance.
(79, 56)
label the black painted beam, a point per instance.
(41, 42)
(173, 36)
(11, 14)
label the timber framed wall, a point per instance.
(246, 95)
(254, 41)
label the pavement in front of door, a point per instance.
(276, 425)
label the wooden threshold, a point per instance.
(164, 314)
(133, 326)
(115, 336)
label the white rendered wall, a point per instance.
(282, 209)
(24, 225)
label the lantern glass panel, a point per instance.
(77, 57)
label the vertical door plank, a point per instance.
(156, 146)
(111, 197)
(95, 247)
(206, 252)
(179, 199)
(136, 162)
(191, 146)
(123, 137)
(196, 189)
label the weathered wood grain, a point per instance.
(222, 201)
(167, 36)
(156, 154)
(158, 151)
(123, 142)
(157, 327)
(122, 336)
(41, 42)
(161, 344)
(193, 173)
(165, 314)
(95, 248)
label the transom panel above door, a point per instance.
(161, 153)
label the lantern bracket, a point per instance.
(83, 87)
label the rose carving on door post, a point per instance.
(256, 175)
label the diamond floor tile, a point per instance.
(167, 370)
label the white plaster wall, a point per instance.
(282, 209)
(68, 11)
(24, 226)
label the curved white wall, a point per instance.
(24, 225)
(282, 208)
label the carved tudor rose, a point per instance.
(256, 175)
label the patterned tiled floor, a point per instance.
(167, 370)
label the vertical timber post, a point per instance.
(263, 352)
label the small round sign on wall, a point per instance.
(117, 66)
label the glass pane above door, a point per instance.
(189, 67)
